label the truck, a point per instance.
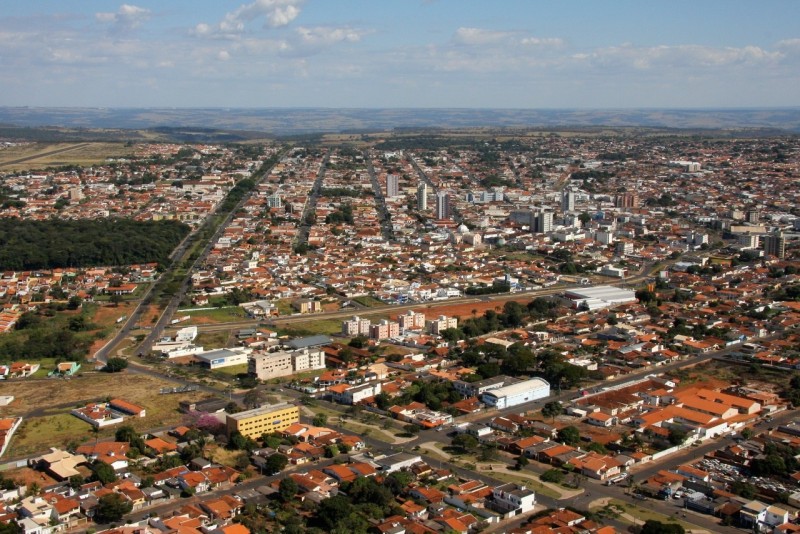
(122, 319)
(180, 319)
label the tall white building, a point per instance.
(442, 205)
(542, 222)
(422, 196)
(568, 201)
(392, 185)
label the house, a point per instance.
(65, 369)
(511, 497)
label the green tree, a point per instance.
(253, 398)
(320, 419)
(115, 365)
(334, 510)
(103, 472)
(275, 463)
(552, 409)
(287, 489)
(569, 435)
(111, 508)
(464, 443)
(555, 476)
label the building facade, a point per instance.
(269, 365)
(263, 420)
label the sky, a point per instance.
(533, 54)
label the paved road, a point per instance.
(44, 154)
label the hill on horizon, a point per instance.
(296, 121)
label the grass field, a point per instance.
(36, 155)
(642, 513)
(216, 315)
(530, 482)
(45, 404)
(212, 340)
(369, 302)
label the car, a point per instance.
(640, 496)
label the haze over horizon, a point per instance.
(394, 54)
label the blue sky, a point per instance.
(400, 53)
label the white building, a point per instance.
(215, 359)
(598, 297)
(356, 327)
(515, 394)
(511, 497)
(187, 334)
(265, 366)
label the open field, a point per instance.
(212, 340)
(41, 155)
(216, 315)
(464, 311)
(46, 404)
(638, 514)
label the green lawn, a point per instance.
(212, 340)
(369, 302)
(217, 315)
(642, 513)
(38, 433)
(535, 485)
(233, 370)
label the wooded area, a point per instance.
(28, 245)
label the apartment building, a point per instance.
(384, 330)
(440, 324)
(357, 326)
(269, 365)
(412, 320)
(263, 420)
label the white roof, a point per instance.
(520, 387)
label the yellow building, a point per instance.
(264, 420)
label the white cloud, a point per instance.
(542, 41)
(480, 36)
(126, 17)
(326, 36)
(679, 56)
(275, 13)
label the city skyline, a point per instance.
(432, 53)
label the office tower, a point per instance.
(542, 222)
(422, 196)
(568, 201)
(775, 245)
(626, 200)
(392, 185)
(752, 216)
(442, 205)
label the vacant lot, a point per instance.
(46, 403)
(40, 155)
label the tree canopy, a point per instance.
(28, 245)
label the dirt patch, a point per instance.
(106, 315)
(28, 476)
(464, 311)
(148, 314)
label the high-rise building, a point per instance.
(392, 185)
(626, 200)
(274, 201)
(775, 245)
(422, 196)
(442, 205)
(567, 201)
(542, 222)
(752, 216)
